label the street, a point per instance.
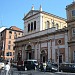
(14, 71)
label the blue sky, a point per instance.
(12, 11)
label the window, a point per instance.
(18, 33)
(9, 54)
(73, 13)
(10, 32)
(14, 32)
(74, 56)
(73, 31)
(15, 36)
(9, 36)
(13, 47)
(9, 47)
(1, 34)
(9, 42)
(34, 25)
(28, 27)
(47, 23)
(31, 25)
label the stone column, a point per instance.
(39, 47)
(36, 51)
(50, 50)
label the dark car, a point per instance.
(51, 67)
(67, 67)
(27, 65)
(31, 64)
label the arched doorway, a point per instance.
(43, 56)
(29, 52)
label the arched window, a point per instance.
(28, 27)
(34, 25)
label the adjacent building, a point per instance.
(44, 35)
(7, 38)
(70, 9)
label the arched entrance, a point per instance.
(43, 56)
(29, 52)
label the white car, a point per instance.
(2, 65)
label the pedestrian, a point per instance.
(41, 66)
(7, 68)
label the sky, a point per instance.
(12, 11)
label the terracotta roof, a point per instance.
(15, 28)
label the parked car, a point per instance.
(27, 65)
(67, 67)
(31, 64)
(51, 67)
(2, 65)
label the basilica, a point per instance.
(47, 35)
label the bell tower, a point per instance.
(70, 11)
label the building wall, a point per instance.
(7, 39)
(70, 9)
(47, 43)
(51, 19)
(29, 20)
(42, 43)
(43, 21)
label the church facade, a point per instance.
(44, 35)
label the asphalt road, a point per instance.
(13, 71)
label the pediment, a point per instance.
(30, 13)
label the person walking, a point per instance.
(7, 68)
